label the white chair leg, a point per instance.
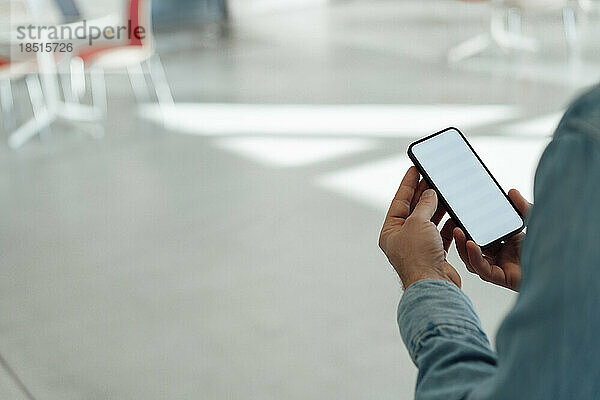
(478, 44)
(98, 89)
(469, 48)
(77, 74)
(42, 117)
(504, 33)
(7, 102)
(514, 21)
(64, 74)
(160, 82)
(161, 86)
(506, 39)
(138, 83)
(36, 97)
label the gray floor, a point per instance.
(154, 264)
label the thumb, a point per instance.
(426, 206)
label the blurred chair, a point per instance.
(11, 13)
(41, 78)
(505, 28)
(590, 6)
(15, 71)
(133, 55)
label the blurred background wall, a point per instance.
(240, 8)
(198, 12)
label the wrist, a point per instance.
(412, 277)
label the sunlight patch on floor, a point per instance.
(537, 126)
(409, 120)
(293, 152)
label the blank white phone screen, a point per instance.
(469, 190)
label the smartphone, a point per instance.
(471, 195)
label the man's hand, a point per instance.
(410, 238)
(500, 264)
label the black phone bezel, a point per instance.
(451, 212)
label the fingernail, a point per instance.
(428, 193)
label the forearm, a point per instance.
(444, 338)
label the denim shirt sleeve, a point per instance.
(444, 338)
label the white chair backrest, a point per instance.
(96, 9)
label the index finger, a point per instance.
(400, 207)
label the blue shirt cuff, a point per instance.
(430, 304)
